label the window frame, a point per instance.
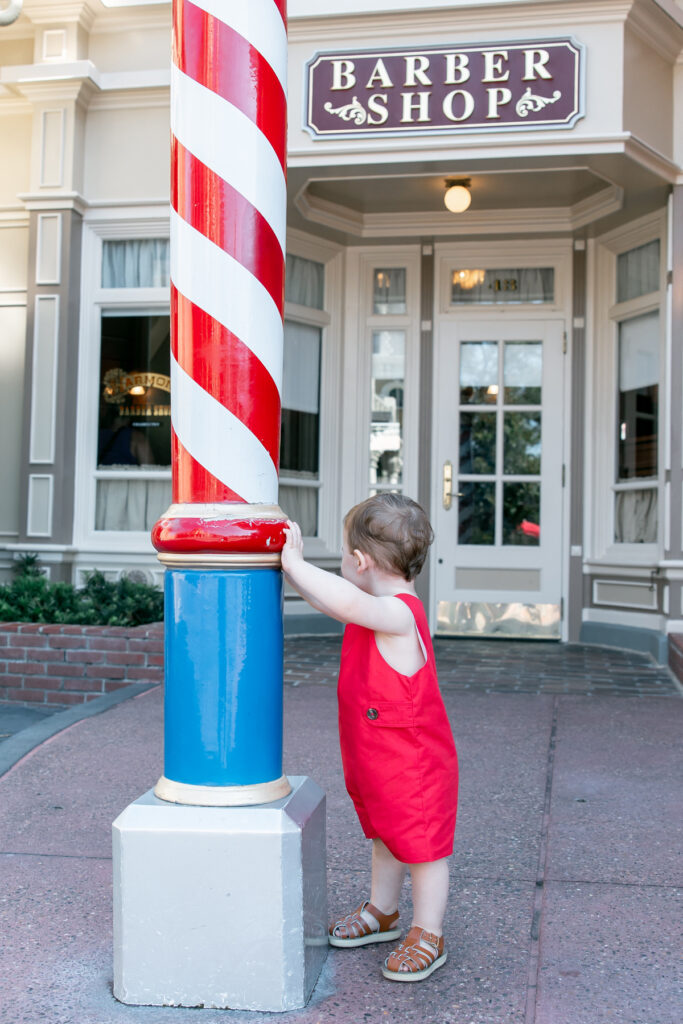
(360, 322)
(602, 414)
(96, 300)
(325, 546)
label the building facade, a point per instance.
(517, 367)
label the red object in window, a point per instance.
(529, 529)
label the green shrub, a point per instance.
(32, 598)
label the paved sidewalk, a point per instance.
(563, 897)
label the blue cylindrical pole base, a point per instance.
(223, 687)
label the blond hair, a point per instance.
(393, 530)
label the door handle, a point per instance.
(447, 491)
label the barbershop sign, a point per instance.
(537, 84)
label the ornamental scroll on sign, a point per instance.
(500, 86)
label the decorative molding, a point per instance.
(13, 297)
(549, 220)
(56, 39)
(657, 162)
(643, 590)
(14, 217)
(33, 525)
(52, 136)
(48, 264)
(44, 401)
(132, 98)
(82, 12)
(656, 29)
(444, 24)
(57, 200)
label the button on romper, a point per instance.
(398, 753)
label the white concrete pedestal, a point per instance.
(220, 906)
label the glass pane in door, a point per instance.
(500, 441)
(522, 443)
(523, 372)
(522, 513)
(478, 442)
(477, 513)
(478, 372)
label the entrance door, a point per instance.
(499, 503)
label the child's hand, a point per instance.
(293, 551)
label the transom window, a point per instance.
(502, 286)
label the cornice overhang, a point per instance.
(513, 220)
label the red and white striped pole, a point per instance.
(228, 216)
(228, 125)
(236, 893)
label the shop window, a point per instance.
(136, 263)
(637, 429)
(304, 282)
(638, 272)
(386, 434)
(389, 291)
(300, 431)
(505, 286)
(134, 426)
(300, 434)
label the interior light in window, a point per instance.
(137, 389)
(492, 389)
(468, 278)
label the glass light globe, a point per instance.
(457, 198)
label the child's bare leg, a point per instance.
(430, 894)
(387, 878)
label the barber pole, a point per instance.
(217, 903)
(220, 539)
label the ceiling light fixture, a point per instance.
(458, 196)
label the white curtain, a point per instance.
(301, 372)
(131, 504)
(639, 352)
(638, 272)
(635, 517)
(136, 263)
(301, 505)
(304, 282)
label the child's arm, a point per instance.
(337, 597)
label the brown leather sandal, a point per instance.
(355, 930)
(416, 957)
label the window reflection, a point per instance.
(386, 436)
(522, 514)
(638, 396)
(477, 513)
(479, 372)
(135, 409)
(522, 443)
(523, 372)
(477, 442)
(389, 291)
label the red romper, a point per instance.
(400, 764)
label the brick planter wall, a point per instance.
(41, 664)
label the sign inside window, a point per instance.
(520, 85)
(135, 409)
(502, 286)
